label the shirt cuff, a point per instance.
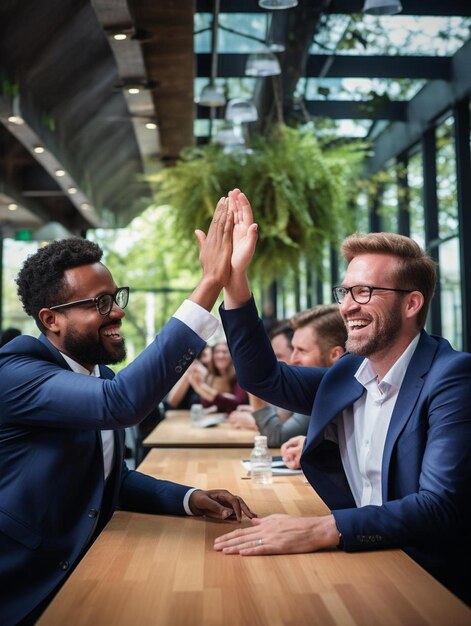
(186, 501)
(201, 321)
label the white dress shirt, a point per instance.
(362, 428)
(203, 324)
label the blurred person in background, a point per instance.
(218, 388)
(9, 334)
(318, 341)
(183, 395)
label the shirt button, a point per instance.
(92, 513)
(178, 369)
(64, 565)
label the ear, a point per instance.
(50, 320)
(414, 302)
(335, 353)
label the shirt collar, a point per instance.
(80, 369)
(394, 377)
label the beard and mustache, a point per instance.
(387, 330)
(85, 348)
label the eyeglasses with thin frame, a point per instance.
(361, 293)
(103, 303)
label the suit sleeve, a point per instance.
(146, 494)
(258, 370)
(277, 432)
(34, 390)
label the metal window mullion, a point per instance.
(463, 178)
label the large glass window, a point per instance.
(416, 198)
(450, 292)
(446, 180)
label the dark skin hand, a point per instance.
(219, 504)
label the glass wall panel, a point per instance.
(450, 290)
(388, 209)
(446, 180)
(416, 198)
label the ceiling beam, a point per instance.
(410, 7)
(343, 66)
(345, 109)
(431, 103)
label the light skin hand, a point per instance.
(242, 419)
(237, 291)
(219, 504)
(291, 451)
(215, 251)
(281, 534)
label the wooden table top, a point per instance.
(162, 570)
(177, 431)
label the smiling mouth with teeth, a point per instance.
(112, 333)
(357, 323)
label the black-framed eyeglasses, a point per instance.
(361, 293)
(103, 303)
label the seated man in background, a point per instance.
(318, 341)
(281, 335)
(63, 414)
(389, 442)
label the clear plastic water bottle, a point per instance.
(196, 412)
(260, 462)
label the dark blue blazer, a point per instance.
(53, 500)
(426, 467)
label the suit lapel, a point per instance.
(339, 389)
(407, 399)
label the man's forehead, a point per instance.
(305, 334)
(371, 266)
(90, 276)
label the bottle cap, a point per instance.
(260, 440)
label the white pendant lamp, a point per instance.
(382, 7)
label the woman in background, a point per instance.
(183, 395)
(219, 387)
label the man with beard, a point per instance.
(63, 414)
(389, 441)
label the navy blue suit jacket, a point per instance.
(53, 500)
(426, 467)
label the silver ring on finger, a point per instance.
(259, 542)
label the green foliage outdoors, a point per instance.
(298, 191)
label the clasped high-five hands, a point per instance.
(225, 254)
(226, 251)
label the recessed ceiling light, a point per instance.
(12, 206)
(38, 149)
(60, 173)
(151, 125)
(16, 119)
(72, 190)
(85, 206)
(133, 90)
(120, 36)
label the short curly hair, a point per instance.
(41, 279)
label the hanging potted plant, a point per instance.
(298, 193)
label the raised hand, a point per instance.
(215, 252)
(237, 290)
(216, 247)
(244, 233)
